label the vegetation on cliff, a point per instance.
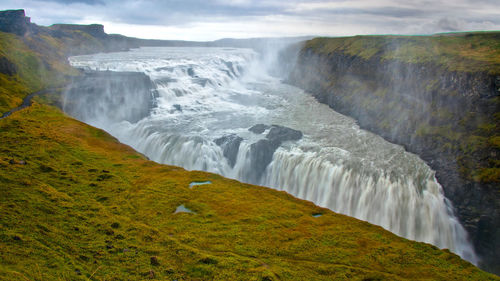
(467, 132)
(469, 52)
(439, 96)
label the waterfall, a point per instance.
(207, 102)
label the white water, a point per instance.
(207, 93)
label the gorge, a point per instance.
(419, 158)
(213, 111)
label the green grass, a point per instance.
(86, 204)
(78, 205)
(469, 52)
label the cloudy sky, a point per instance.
(213, 19)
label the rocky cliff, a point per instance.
(437, 96)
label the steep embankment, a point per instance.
(436, 95)
(78, 205)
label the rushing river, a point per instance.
(208, 98)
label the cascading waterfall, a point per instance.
(208, 98)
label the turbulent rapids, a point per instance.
(217, 110)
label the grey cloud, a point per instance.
(69, 2)
(450, 24)
(359, 16)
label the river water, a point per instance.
(208, 98)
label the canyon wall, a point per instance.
(437, 96)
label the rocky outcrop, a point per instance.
(95, 30)
(7, 67)
(261, 152)
(230, 145)
(258, 128)
(14, 21)
(448, 117)
(130, 94)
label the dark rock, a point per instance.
(154, 261)
(261, 154)
(14, 21)
(46, 169)
(230, 145)
(259, 128)
(208, 261)
(190, 72)
(96, 30)
(7, 67)
(15, 162)
(281, 134)
(178, 107)
(84, 258)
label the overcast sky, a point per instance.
(214, 19)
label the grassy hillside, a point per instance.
(470, 52)
(35, 65)
(79, 205)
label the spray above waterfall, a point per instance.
(216, 109)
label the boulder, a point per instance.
(230, 145)
(281, 134)
(259, 128)
(261, 154)
(14, 21)
(7, 67)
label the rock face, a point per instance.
(230, 145)
(90, 96)
(280, 134)
(449, 118)
(259, 128)
(261, 152)
(14, 21)
(96, 30)
(7, 67)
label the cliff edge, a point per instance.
(438, 96)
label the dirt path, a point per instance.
(26, 102)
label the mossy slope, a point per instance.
(85, 207)
(37, 65)
(469, 52)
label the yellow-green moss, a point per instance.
(470, 52)
(86, 204)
